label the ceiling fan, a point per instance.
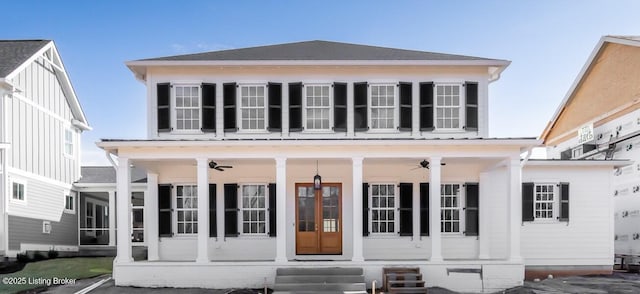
(424, 164)
(214, 165)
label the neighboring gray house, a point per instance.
(40, 130)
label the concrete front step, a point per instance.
(329, 279)
(323, 271)
(316, 287)
(320, 280)
(414, 290)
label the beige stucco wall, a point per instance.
(612, 82)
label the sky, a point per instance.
(547, 41)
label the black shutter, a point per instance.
(406, 97)
(340, 107)
(527, 202)
(229, 103)
(272, 210)
(471, 211)
(471, 90)
(360, 107)
(295, 107)
(208, 107)
(164, 113)
(564, 202)
(406, 209)
(164, 210)
(424, 209)
(426, 106)
(213, 223)
(565, 154)
(275, 107)
(586, 148)
(231, 210)
(365, 209)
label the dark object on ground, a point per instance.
(11, 266)
(52, 254)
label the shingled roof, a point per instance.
(107, 175)
(13, 53)
(315, 50)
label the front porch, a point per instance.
(491, 276)
(426, 217)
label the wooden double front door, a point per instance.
(318, 219)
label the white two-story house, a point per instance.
(324, 154)
(41, 122)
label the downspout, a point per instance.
(113, 163)
(526, 157)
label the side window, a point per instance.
(68, 142)
(69, 202)
(18, 191)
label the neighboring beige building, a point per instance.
(600, 119)
(263, 161)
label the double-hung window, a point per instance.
(254, 209)
(69, 203)
(448, 106)
(450, 208)
(317, 107)
(544, 199)
(383, 207)
(187, 208)
(18, 192)
(252, 107)
(383, 107)
(68, 142)
(187, 107)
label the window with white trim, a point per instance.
(18, 191)
(137, 216)
(544, 200)
(448, 106)
(252, 107)
(383, 107)
(253, 214)
(68, 142)
(317, 107)
(383, 208)
(450, 208)
(187, 208)
(187, 107)
(69, 203)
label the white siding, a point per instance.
(37, 118)
(196, 76)
(587, 238)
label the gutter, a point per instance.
(526, 157)
(113, 163)
(81, 125)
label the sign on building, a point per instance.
(585, 134)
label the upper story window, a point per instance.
(252, 107)
(68, 142)
(383, 107)
(317, 107)
(187, 107)
(448, 106)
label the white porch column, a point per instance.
(151, 233)
(357, 209)
(123, 186)
(281, 209)
(434, 208)
(203, 211)
(514, 211)
(112, 217)
(483, 217)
